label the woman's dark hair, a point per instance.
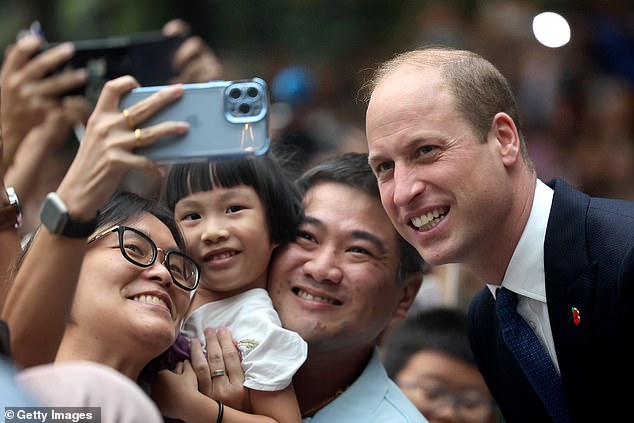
(125, 207)
(281, 199)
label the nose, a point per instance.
(323, 266)
(214, 232)
(407, 183)
(159, 271)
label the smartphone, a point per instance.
(228, 119)
(146, 56)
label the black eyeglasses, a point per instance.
(139, 249)
(471, 405)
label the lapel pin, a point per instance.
(576, 315)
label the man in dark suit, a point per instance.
(457, 182)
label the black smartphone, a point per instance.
(146, 56)
(228, 119)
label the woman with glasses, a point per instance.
(430, 359)
(56, 265)
(133, 287)
(106, 280)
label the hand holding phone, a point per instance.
(147, 56)
(227, 119)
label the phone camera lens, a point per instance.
(244, 108)
(252, 92)
(235, 93)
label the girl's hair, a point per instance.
(281, 199)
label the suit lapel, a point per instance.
(570, 284)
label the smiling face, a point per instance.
(445, 191)
(226, 233)
(119, 303)
(336, 286)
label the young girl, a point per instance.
(233, 213)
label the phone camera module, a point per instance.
(235, 93)
(244, 108)
(245, 101)
(253, 92)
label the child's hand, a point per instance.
(172, 390)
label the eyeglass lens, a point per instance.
(141, 250)
(470, 405)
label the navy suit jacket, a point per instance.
(589, 264)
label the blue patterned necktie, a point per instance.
(531, 355)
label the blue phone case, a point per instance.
(227, 119)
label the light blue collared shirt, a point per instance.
(372, 398)
(525, 274)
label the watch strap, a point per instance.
(54, 215)
(79, 229)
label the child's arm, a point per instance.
(177, 396)
(222, 352)
(280, 405)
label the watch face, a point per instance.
(54, 214)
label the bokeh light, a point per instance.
(551, 29)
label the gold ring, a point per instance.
(128, 118)
(137, 136)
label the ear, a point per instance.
(409, 290)
(506, 138)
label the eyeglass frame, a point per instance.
(155, 253)
(448, 397)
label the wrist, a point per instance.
(55, 217)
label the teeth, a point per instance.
(431, 219)
(222, 256)
(305, 295)
(149, 299)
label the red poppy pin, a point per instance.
(576, 315)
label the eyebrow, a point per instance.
(354, 234)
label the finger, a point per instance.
(231, 356)
(48, 61)
(58, 84)
(214, 352)
(147, 136)
(113, 90)
(200, 366)
(147, 107)
(178, 368)
(18, 54)
(189, 49)
(201, 70)
(176, 27)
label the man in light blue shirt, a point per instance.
(373, 397)
(340, 285)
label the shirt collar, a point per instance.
(525, 272)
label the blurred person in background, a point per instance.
(429, 357)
